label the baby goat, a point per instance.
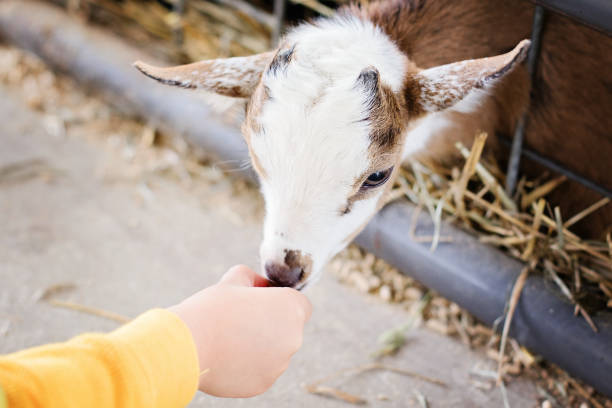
(334, 111)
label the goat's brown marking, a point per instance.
(347, 208)
(257, 164)
(251, 125)
(387, 116)
(386, 112)
(253, 110)
(411, 90)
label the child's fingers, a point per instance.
(242, 275)
(304, 304)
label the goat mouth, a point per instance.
(298, 285)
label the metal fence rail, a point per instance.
(595, 13)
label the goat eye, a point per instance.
(377, 179)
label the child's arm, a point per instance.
(232, 339)
(149, 362)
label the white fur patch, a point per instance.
(420, 132)
(341, 47)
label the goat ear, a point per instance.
(234, 77)
(439, 88)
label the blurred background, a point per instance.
(191, 30)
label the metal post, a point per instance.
(178, 9)
(519, 133)
(556, 167)
(279, 15)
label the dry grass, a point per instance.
(318, 387)
(534, 233)
(205, 29)
(50, 294)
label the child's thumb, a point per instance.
(242, 275)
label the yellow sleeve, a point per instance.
(150, 362)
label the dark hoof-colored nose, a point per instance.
(281, 274)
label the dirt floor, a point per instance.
(91, 215)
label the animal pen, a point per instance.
(460, 263)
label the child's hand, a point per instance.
(245, 334)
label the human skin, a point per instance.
(245, 332)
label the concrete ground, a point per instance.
(127, 248)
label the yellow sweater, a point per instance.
(150, 362)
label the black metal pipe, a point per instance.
(554, 166)
(532, 63)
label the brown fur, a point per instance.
(569, 118)
(387, 115)
(251, 127)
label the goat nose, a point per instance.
(281, 274)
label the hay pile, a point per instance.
(532, 230)
(186, 31)
(182, 32)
